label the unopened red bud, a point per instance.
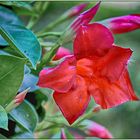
(123, 24)
(21, 96)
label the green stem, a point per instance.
(57, 34)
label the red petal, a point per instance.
(92, 40)
(85, 17)
(60, 78)
(124, 24)
(113, 63)
(73, 103)
(109, 94)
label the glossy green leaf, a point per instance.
(23, 41)
(11, 76)
(8, 16)
(25, 116)
(2, 137)
(3, 118)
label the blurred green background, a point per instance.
(123, 121)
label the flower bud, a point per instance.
(94, 129)
(61, 52)
(123, 24)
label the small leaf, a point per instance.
(11, 76)
(25, 116)
(3, 118)
(23, 41)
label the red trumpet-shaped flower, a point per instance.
(97, 69)
(94, 129)
(123, 24)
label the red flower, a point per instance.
(61, 53)
(97, 69)
(94, 129)
(123, 24)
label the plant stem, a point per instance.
(57, 34)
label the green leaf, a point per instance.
(23, 41)
(2, 137)
(25, 116)
(8, 16)
(23, 135)
(11, 76)
(3, 118)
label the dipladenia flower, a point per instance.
(61, 53)
(123, 24)
(97, 69)
(94, 129)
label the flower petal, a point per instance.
(92, 40)
(109, 94)
(73, 103)
(113, 63)
(59, 78)
(123, 24)
(85, 17)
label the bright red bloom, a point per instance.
(61, 53)
(123, 24)
(98, 69)
(94, 129)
